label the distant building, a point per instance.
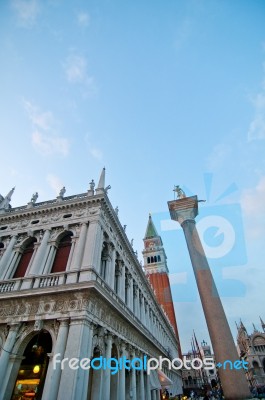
(251, 348)
(71, 285)
(199, 380)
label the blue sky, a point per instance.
(160, 93)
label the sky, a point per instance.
(161, 93)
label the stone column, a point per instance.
(143, 316)
(52, 381)
(50, 258)
(133, 380)
(106, 375)
(7, 350)
(147, 388)
(131, 292)
(74, 382)
(39, 259)
(142, 388)
(122, 282)
(137, 303)
(14, 262)
(122, 394)
(93, 246)
(111, 270)
(6, 258)
(79, 248)
(233, 381)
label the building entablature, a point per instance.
(89, 302)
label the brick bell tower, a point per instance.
(155, 265)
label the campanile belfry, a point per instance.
(155, 265)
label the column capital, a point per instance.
(64, 321)
(14, 326)
(184, 209)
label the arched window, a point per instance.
(62, 254)
(158, 258)
(148, 260)
(25, 259)
(152, 259)
(155, 259)
(256, 368)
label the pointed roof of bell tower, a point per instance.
(150, 230)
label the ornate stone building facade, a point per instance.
(251, 348)
(71, 285)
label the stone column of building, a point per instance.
(122, 394)
(129, 287)
(106, 374)
(138, 302)
(6, 258)
(93, 247)
(13, 262)
(74, 382)
(147, 315)
(141, 385)
(50, 257)
(233, 381)
(142, 308)
(122, 281)
(79, 249)
(39, 259)
(52, 381)
(147, 388)
(133, 379)
(6, 352)
(111, 272)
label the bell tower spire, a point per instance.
(155, 266)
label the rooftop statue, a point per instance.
(34, 197)
(62, 192)
(180, 193)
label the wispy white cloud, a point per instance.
(218, 156)
(44, 137)
(76, 72)
(48, 145)
(253, 204)
(41, 119)
(26, 11)
(55, 183)
(83, 19)
(93, 150)
(257, 125)
(96, 153)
